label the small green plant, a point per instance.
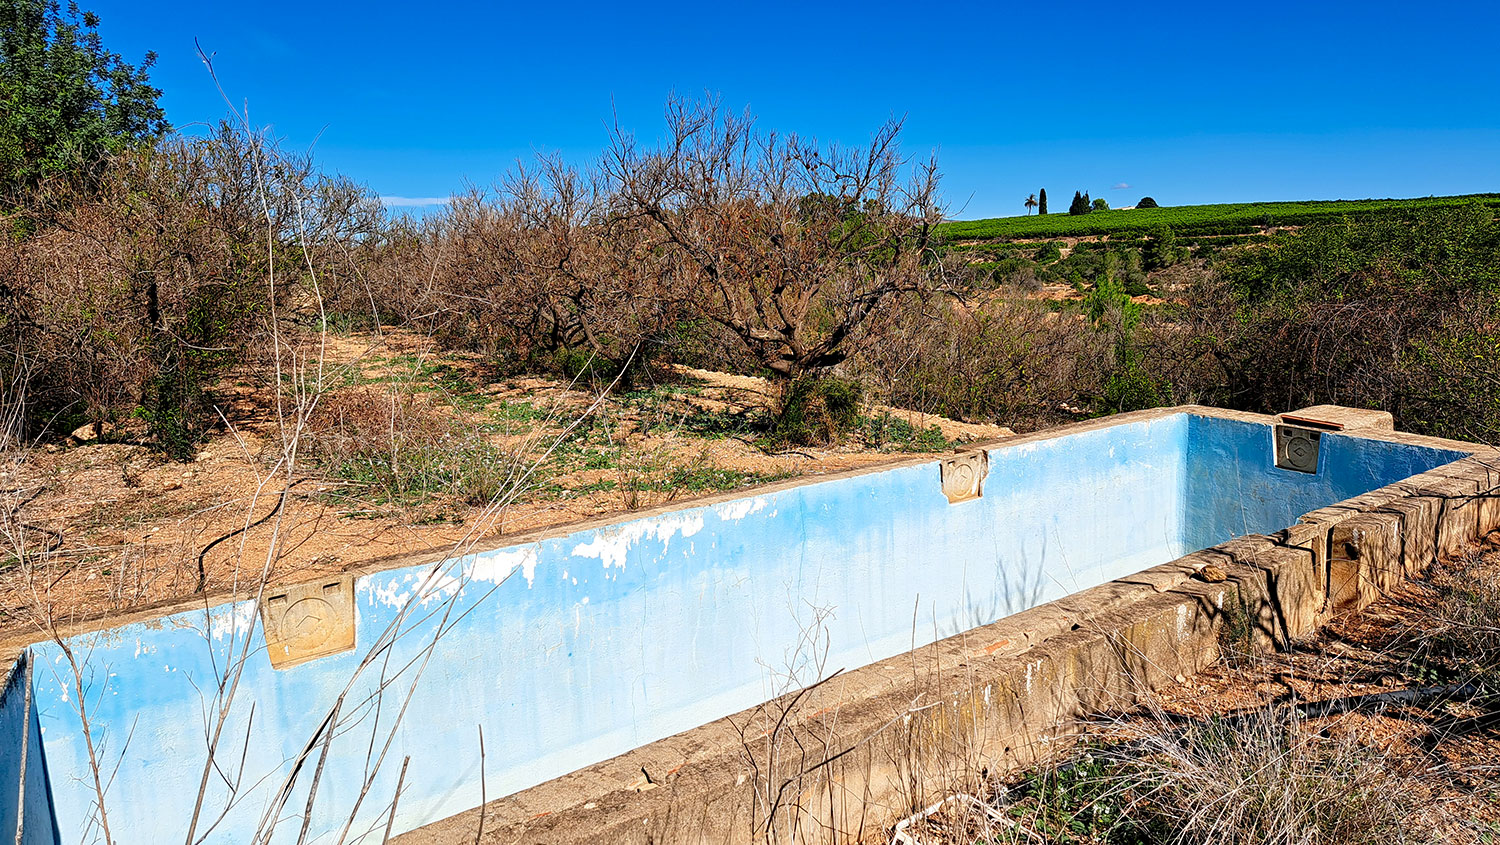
(1085, 800)
(817, 410)
(888, 432)
(1234, 634)
(517, 411)
(598, 371)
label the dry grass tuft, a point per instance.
(1272, 778)
(392, 448)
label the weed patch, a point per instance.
(891, 433)
(393, 449)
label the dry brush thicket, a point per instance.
(727, 247)
(128, 295)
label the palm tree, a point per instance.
(1030, 203)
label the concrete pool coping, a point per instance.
(965, 687)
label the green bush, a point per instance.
(1048, 252)
(1161, 249)
(816, 410)
(1395, 314)
(68, 102)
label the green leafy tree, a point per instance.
(1146, 202)
(1100, 204)
(1041, 202)
(65, 101)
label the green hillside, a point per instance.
(1194, 220)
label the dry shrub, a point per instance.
(129, 293)
(364, 421)
(1267, 777)
(1464, 622)
(535, 274)
(1024, 279)
(789, 245)
(1013, 362)
(1271, 779)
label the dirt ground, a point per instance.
(95, 528)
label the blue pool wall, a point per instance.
(1234, 488)
(25, 794)
(577, 647)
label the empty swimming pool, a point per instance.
(574, 646)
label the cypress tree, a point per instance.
(1080, 204)
(1042, 202)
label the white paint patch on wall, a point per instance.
(740, 508)
(613, 544)
(495, 567)
(236, 624)
(443, 583)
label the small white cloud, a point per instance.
(414, 202)
(1120, 186)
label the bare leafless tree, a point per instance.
(789, 245)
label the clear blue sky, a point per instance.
(1190, 103)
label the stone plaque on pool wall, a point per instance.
(963, 475)
(308, 621)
